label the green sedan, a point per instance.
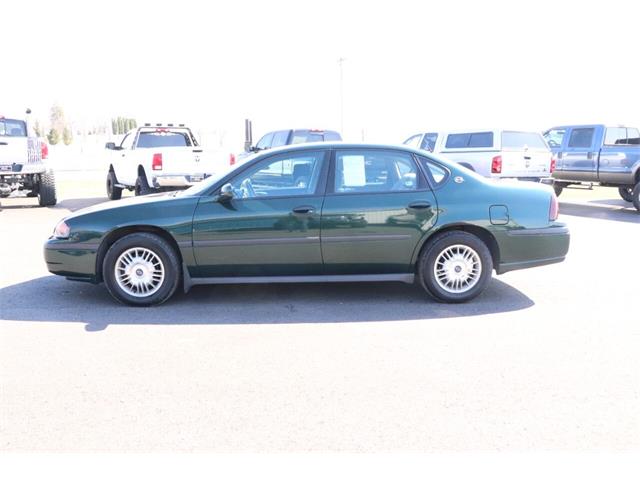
(316, 213)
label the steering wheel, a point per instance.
(247, 189)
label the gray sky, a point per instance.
(409, 65)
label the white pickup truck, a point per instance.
(156, 158)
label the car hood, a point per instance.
(126, 202)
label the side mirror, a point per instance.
(226, 193)
(110, 146)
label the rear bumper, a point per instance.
(184, 181)
(526, 248)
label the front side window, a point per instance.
(581, 138)
(364, 171)
(12, 128)
(127, 141)
(413, 141)
(554, 137)
(280, 138)
(286, 175)
(265, 142)
(429, 142)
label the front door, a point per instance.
(377, 209)
(271, 226)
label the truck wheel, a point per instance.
(47, 190)
(635, 196)
(558, 187)
(113, 192)
(455, 267)
(626, 193)
(142, 186)
(141, 269)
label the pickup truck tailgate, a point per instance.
(525, 154)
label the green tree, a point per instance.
(67, 135)
(53, 136)
(114, 126)
(121, 128)
(37, 128)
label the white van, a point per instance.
(491, 153)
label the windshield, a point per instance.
(12, 128)
(521, 139)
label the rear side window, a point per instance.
(305, 136)
(12, 128)
(521, 140)
(163, 139)
(555, 136)
(437, 173)
(365, 171)
(621, 136)
(265, 142)
(470, 140)
(332, 137)
(581, 137)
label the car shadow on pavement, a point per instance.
(74, 204)
(603, 210)
(60, 300)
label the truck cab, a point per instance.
(597, 154)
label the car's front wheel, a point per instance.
(141, 269)
(455, 267)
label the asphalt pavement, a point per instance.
(545, 359)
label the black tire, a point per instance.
(142, 186)
(635, 196)
(626, 193)
(113, 192)
(169, 265)
(455, 242)
(558, 188)
(47, 190)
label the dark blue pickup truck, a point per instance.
(597, 154)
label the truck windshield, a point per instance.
(12, 128)
(522, 139)
(163, 139)
(306, 136)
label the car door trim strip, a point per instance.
(364, 238)
(254, 241)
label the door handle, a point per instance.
(304, 210)
(419, 205)
(589, 155)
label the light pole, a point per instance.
(340, 62)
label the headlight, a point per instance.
(61, 231)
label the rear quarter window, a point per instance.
(436, 173)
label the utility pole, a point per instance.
(340, 62)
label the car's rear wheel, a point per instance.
(626, 193)
(113, 192)
(141, 269)
(455, 267)
(142, 186)
(558, 188)
(635, 196)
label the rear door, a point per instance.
(13, 143)
(525, 155)
(377, 208)
(579, 158)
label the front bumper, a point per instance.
(76, 261)
(533, 247)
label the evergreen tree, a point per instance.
(53, 136)
(67, 135)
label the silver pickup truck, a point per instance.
(21, 162)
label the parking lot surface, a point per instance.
(545, 359)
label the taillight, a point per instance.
(44, 150)
(232, 159)
(156, 163)
(496, 164)
(552, 167)
(553, 208)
